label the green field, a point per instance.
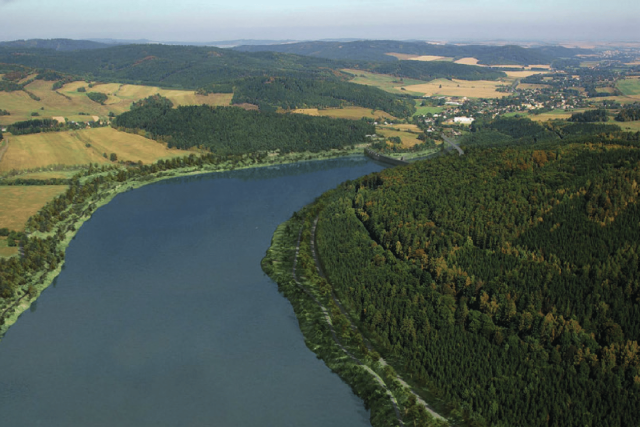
(420, 111)
(385, 82)
(80, 147)
(629, 87)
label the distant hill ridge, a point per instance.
(378, 50)
(63, 45)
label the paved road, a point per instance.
(452, 143)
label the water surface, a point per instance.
(163, 317)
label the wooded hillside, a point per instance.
(505, 280)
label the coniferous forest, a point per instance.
(231, 130)
(506, 280)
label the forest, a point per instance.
(232, 130)
(628, 114)
(506, 280)
(191, 67)
(289, 93)
(431, 70)
(378, 51)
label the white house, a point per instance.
(463, 120)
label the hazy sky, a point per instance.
(199, 20)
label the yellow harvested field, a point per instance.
(81, 147)
(526, 68)
(408, 139)
(19, 202)
(551, 116)
(521, 74)
(471, 89)
(468, 61)
(427, 58)
(401, 56)
(60, 119)
(67, 102)
(355, 113)
(121, 96)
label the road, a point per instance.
(452, 143)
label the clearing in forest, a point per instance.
(468, 61)
(385, 82)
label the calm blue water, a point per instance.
(163, 317)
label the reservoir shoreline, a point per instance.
(42, 279)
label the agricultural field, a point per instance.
(431, 58)
(470, 89)
(630, 87)
(404, 132)
(385, 82)
(20, 202)
(67, 102)
(555, 115)
(524, 68)
(521, 74)
(468, 61)
(420, 111)
(355, 113)
(409, 57)
(80, 147)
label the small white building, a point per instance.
(464, 120)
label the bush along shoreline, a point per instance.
(330, 334)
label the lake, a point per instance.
(162, 315)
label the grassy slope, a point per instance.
(68, 102)
(70, 148)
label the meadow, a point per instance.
(630, 87)
(427, 109)
(7, 251)
(471, 89)
(355, 113)
(385, 82)
(19, 202)
(407, 133)
(67, 102)
(81, 147)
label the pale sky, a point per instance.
(198, 20)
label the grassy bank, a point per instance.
(330, 334)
